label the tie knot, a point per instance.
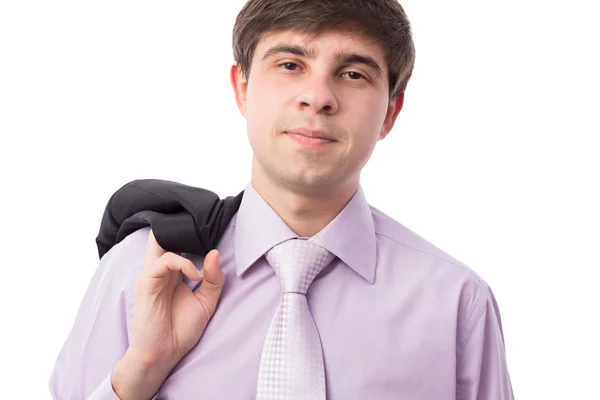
(297, 262)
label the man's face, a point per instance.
(315, 109)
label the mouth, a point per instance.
(309, 141)
(309, 138)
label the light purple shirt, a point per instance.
(397, 317)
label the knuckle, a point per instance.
(168, 257)
(159, 262)
(175, 260)
(214, 287)
(190, 264)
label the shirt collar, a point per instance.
(350, 235)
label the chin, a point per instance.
(310, 185)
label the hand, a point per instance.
(168, 320)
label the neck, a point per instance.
(306, 214)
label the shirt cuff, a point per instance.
(104, 391)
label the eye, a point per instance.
(353, 75)
(289, 66)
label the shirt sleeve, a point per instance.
(104, 391)
(482, 371)
(99, 335)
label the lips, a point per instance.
(312, 142)
(310, 133)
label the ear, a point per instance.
(392, 113)
(240, 87)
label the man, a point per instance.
(311, 293)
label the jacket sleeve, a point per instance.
(99, 336)
(482, 371)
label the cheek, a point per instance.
(364, 120)
(367, 119)
(262, 103)
(380, 109)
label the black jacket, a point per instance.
(184, 219)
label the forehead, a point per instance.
(324, 44)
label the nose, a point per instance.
(318, 96)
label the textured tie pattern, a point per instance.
(292, 360)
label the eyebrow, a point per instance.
(297, 50)
(310, 53)
(353, 58)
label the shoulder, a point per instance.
(432, 267)
(132, 247)
(406, 249)
(397, 235)
(124, 261)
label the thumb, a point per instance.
(212, 284)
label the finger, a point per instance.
(169, 262)
(153, 250)
(212, 284)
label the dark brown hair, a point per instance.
(383, 20)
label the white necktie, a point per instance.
(292, 366)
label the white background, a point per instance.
(494, 158)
